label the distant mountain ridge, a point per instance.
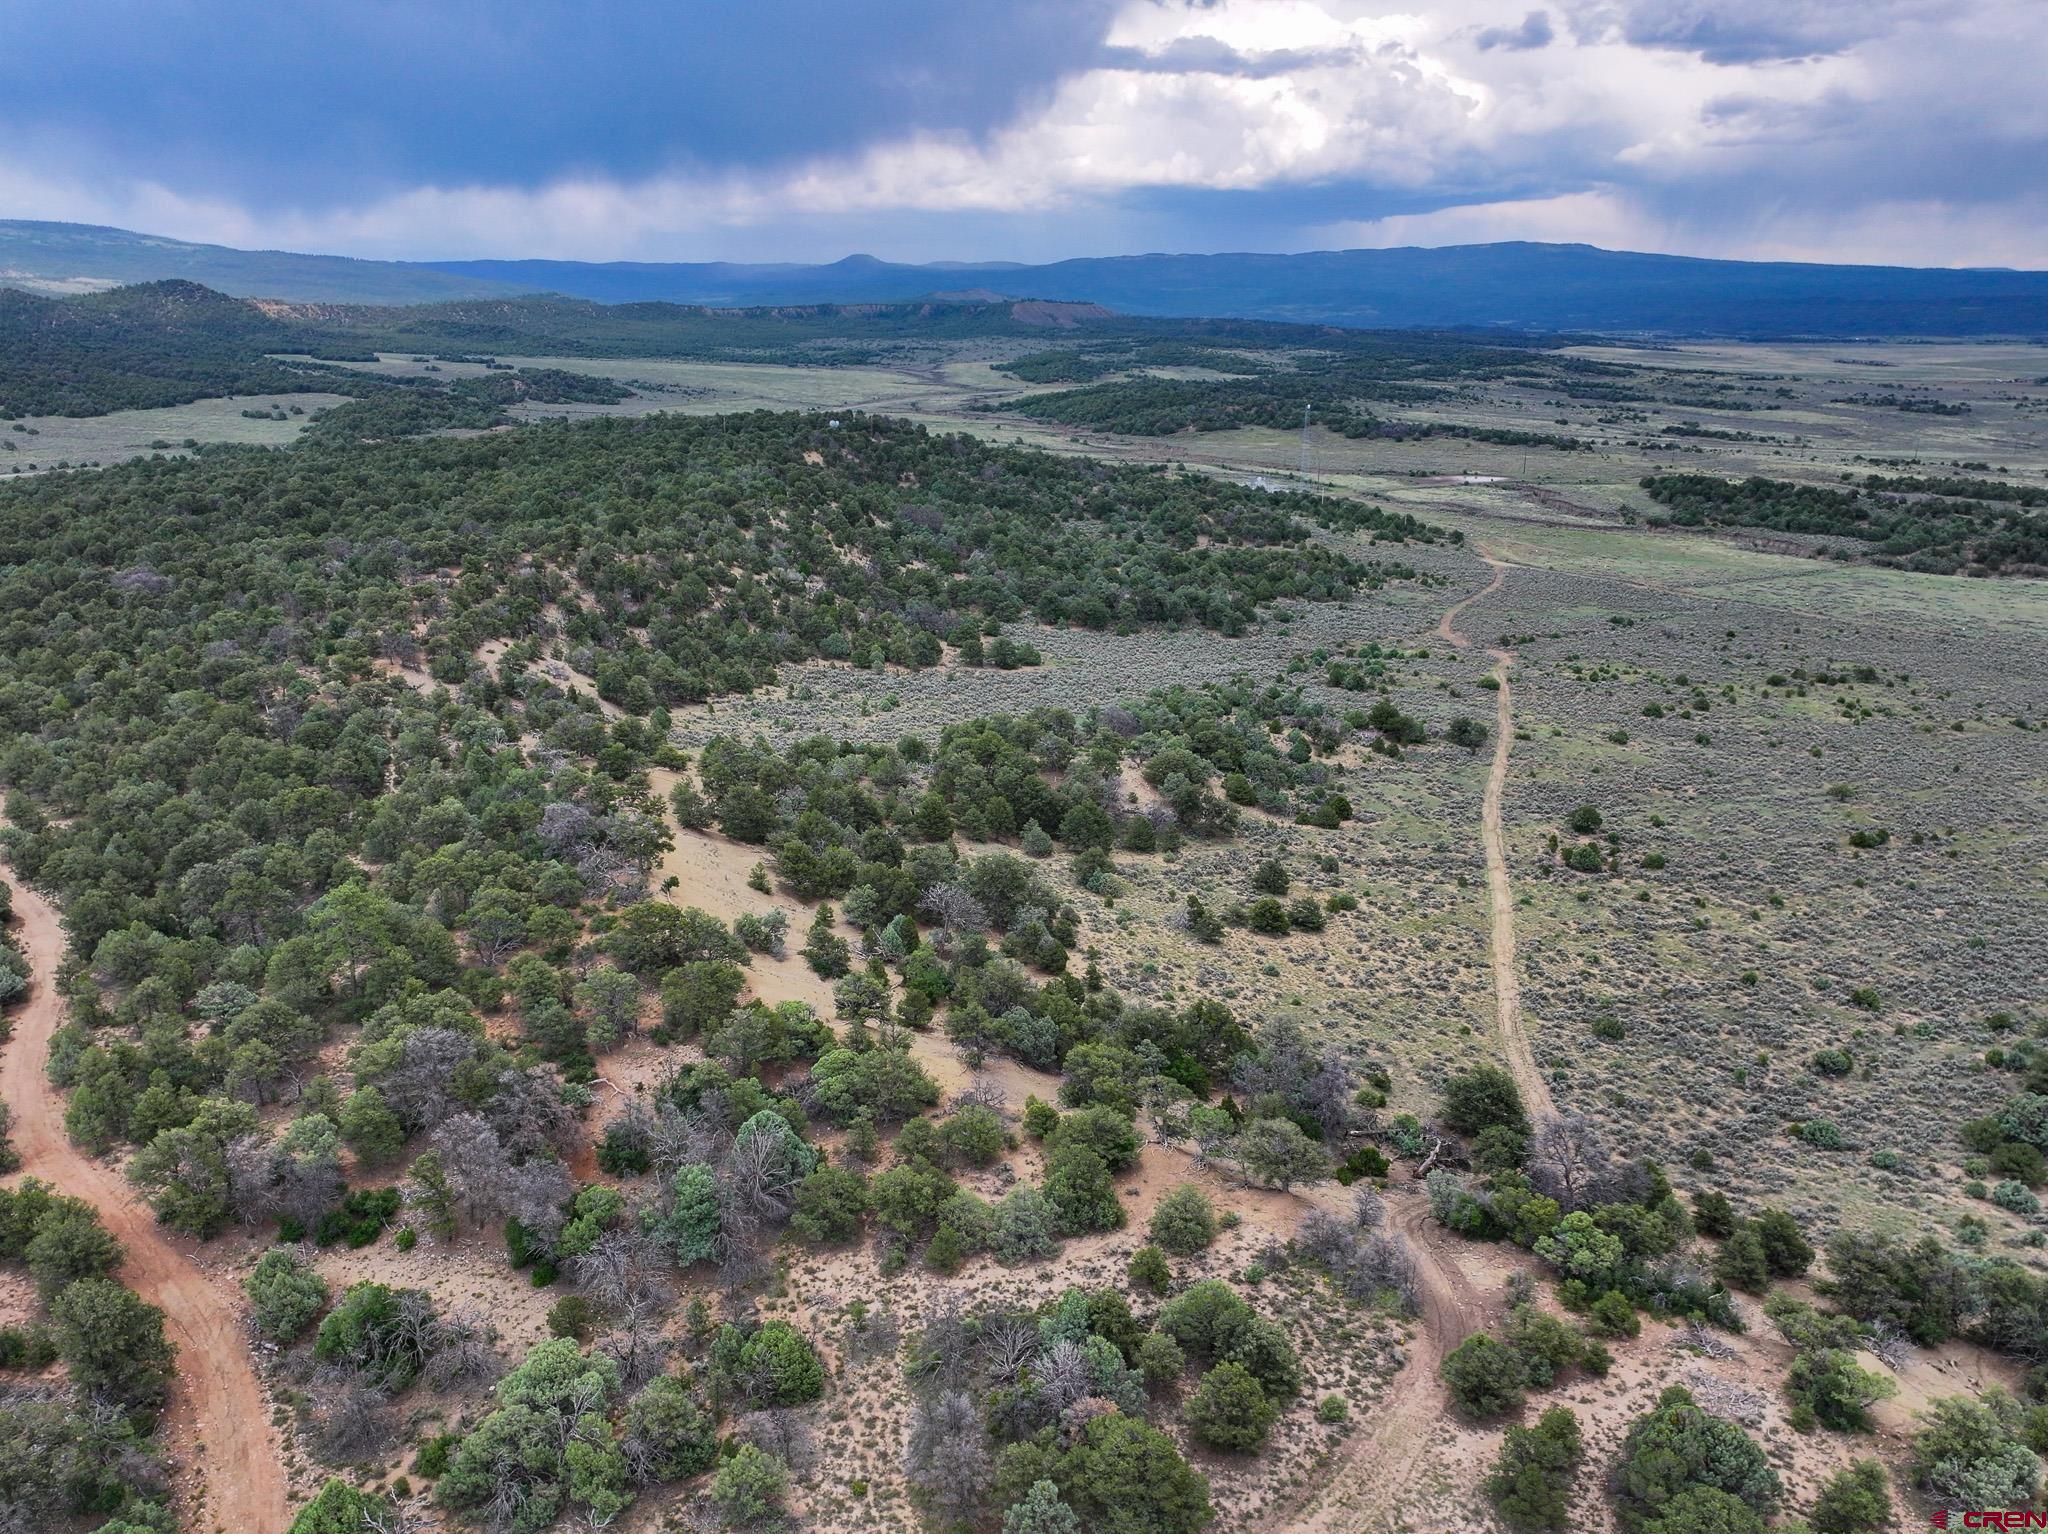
(62, 259)
(1516, 286)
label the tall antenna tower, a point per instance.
(1303, 470)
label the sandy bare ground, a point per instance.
(1370, 1482)
(217, 1406)
(1507, 985)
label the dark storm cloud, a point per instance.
(312, 103)
(1534, 32)
(1206, 55)
(1745, 31)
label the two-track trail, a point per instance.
(1367, 1486)
(1507, 985)
(216, 1401)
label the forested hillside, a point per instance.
(271, 833)
(162, 343)
(245, 818)
(681, 559)
(686, 557)
(203, 746)
(820, 334)
(167, 343)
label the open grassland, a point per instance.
(41, 443)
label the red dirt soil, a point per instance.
(217, 1404)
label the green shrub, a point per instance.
(772, 1364)
(1485, 1377)
(112, 1342)
(1118, 1475)
(572, 1316)
(1823, 1134)
(1148, 1267)
(1184, 1221)
(1546, 1346)
(1211, 1321)
(1712, 1214)
(1229, 1409)
(1160, 1360)
(1785, 1248)
(1267, 917)
(1305, 914)
(1676, 1450)
(676, 1431)
(1972, 1453)
(1854, 1500)
(2020, 1162)
(1531, 1482)
(285, 1295)
(750, 1485)
(1499, 1148)
(368, 1332)
(1613, 1316)
(2016, 1197)
(1482, 1097)
(337, 1508)
(29, 1347)
(431, 1461)
(830, 1204)
(1829, 1387)
(1741, 1263)
(1366, 1161)
(360, 1218)
(1832, 1062)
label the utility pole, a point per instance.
(1304, 441)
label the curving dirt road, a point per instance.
(216, 1402)
(1507, 985)
(1366, 1487)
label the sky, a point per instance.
(1896, 131)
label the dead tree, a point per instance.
(1568, 1160)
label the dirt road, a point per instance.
(1507, 984)
(217, 1407)
(1368, 1485)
